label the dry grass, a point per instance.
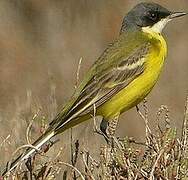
(163, 155)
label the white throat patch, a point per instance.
(157, 27)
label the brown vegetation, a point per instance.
(163, 155)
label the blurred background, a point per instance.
(41, 43)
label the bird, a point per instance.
(119, 79)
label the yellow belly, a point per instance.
(138, 89)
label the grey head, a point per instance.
(148, 15)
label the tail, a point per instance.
(29, 152)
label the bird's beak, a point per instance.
(177, 14)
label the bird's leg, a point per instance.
(108, 128)
(137, 108)
(103, 128)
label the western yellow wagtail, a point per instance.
(121, 77)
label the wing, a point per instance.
(106, 82)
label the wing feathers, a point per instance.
(104, 85)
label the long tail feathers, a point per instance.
(29, 152)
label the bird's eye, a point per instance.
(153, 16)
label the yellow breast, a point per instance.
(139, 88)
